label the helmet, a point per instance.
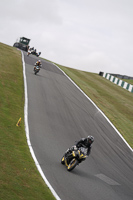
(90, 139)
(39, 61)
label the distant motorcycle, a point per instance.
(33, 52)
(38, 54)
(73, 158)
(36, 69)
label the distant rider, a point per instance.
(38, 64)
(86, 143)
(29, 51)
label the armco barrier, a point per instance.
(119, 82)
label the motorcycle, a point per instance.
(33, 52)
(73, 158)
(36, 69)
(38, 54)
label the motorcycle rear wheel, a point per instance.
(72, 164)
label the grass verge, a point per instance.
(19, 177)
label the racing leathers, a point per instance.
(37, 64)
(83, 143)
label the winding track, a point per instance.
(58, 115)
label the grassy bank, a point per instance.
(114, 101)
(130, 81)
(19, 178)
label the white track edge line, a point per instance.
(27, 133)
(96, 107)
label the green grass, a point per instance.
(114, 101)
(130, 81)
(19, 177)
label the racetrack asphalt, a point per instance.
(58, 115)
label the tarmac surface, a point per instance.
(58, 115)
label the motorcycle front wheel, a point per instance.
(36, 71)
(63, 160)
(72, 164)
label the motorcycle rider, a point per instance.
(29, 51)
(86, 143)
(38, 64)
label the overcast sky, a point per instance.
(90, 35)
